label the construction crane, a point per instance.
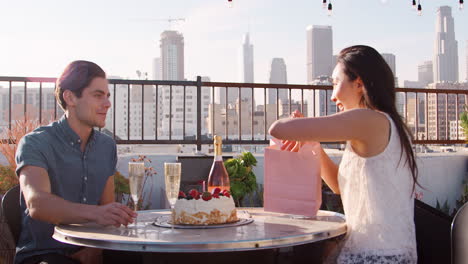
(170, 20)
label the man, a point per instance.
(66, 171)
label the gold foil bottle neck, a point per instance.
(217, 141)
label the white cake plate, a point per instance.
(165, 221)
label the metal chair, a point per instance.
(12, 212)
(459, 236)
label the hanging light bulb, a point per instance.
(461, 5)
(324, 4)
(230, 3)
(414, 4)
(419, 9)
(330, 8)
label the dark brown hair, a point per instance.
(379, 93)
(76, 76)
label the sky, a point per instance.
(39, 38)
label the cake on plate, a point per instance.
(205, 208)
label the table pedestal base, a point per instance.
(307, 253)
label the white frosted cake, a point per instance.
(204, 208)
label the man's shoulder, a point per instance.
(41, 134)
(104, 139)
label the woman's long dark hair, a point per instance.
(379, 93)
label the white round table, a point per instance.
(268, 230)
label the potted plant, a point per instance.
(8, 147)
(241, 177)
(122, 188)
(8, 178)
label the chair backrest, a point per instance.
(460, 236)
(12, 212)
(432, 234)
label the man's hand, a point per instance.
(115, 214)
(88, 256)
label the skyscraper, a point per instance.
(278, 74)
(391, 61)
(425, 73)
(466, 62)
(319, 52)
(247, 62)
(445, 48)
(246, 76)
(157, 69)
(172, 55)
(171, 97)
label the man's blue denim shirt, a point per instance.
(76, 176)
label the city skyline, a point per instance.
(122, 42)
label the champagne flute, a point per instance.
(136, 175)
(172, 173)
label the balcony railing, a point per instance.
(190, 112)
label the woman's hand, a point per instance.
(296, 113)
(289, 145)
(292, 146)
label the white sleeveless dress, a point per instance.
(378, 204)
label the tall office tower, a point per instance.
(142, 117)
(172, 55)
(121, 113)
(334, 60)
(425, 73)
(466, 62)
(171, 97)
(157, 69)
(33, 104)
(247, 62)
(442, 110)
(319, 52)
(445, 48)
(278, 75)
(179, 120)
(322, 105)
(391, 61)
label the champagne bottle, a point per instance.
(218, 175)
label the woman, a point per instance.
(377, 175)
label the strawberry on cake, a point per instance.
(205, 208)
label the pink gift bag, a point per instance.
(292, 182)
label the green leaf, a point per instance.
(241, 176)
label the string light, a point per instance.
(416, 5)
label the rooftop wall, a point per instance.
(440, 174)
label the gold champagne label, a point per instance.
(217, 142)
